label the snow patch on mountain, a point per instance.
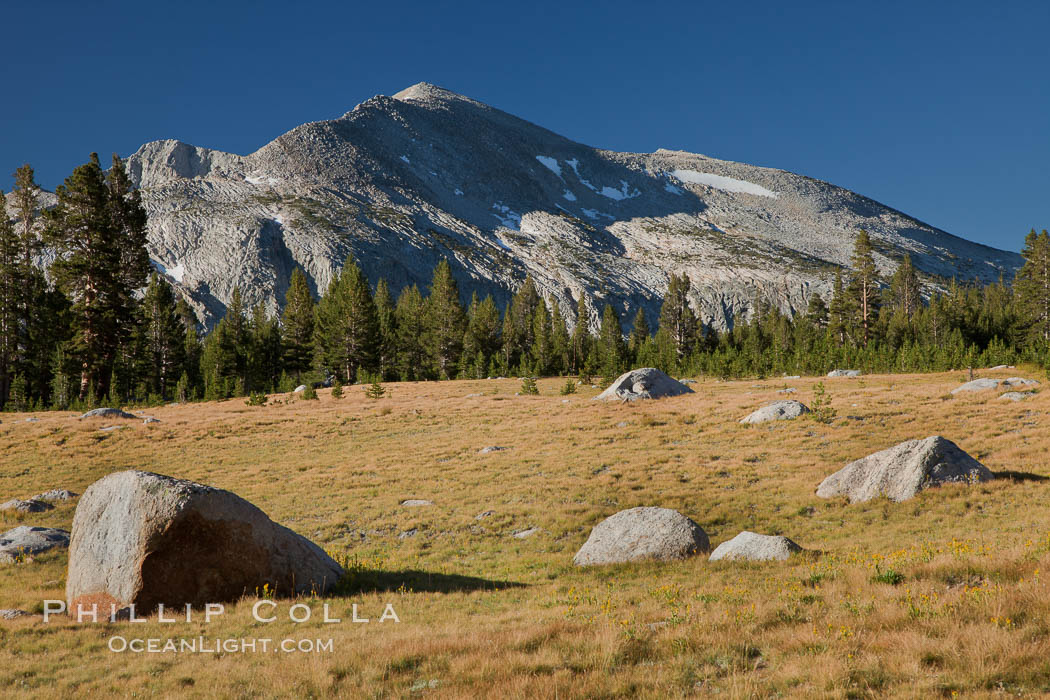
(508, 217)
(550, 163)
(575, 165)
(176, 272)
(726, 184)
(620, 194)
(595, 214)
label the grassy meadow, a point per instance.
(945, 595)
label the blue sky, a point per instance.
(939, 109)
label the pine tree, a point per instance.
(165, 350)
(346, 329)
(581, 336)
(129, 221)
(864, 286)
(375, 390)
(560, 342)
(677, 317)
(839, 311)
(10, 283)
(238, 336)
(39, 323)
(1032, 286)
(219, 360)
(481, 341)
(297, 325)
(542, 351)
(97, 230)
(817, 311)
(445, 322)
(191, 382)
(411, 324)
(386, 315)
(905, 293)
(518, 323)
(639, 335)
(611, 350)
(266, 350)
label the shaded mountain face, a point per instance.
(401, 182)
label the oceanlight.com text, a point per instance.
(213, 645)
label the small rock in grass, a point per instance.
(26, 506)
(55, 495)
(107, 413)
(778, 410)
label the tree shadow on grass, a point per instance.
(357, 582)
(1020, 476)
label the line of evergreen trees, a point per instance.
(85, 335)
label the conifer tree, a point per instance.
(677, 317)
(581, 336)
(445, 322)
(1032, 286)
(481, 341)
(220, 359)
(839, 311)
(560, 341)
(238, 336)
(97, 230)
(864, 286)
(265, 350)
(346, 330)
(542, 350)
(387, 330)
(611, 349)
(40, 325)
(410, 319)
(518, 323)
(164, 335)
(817, 311)
(10, 287)
(639, 335)
(905, 291)
(190, 381)
(297, 325)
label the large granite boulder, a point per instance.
(642, 533)
(844, 373)
(146, 539)
(778, 410)
(902, 471)
(645, 383)
(26, 540)
(754, 547)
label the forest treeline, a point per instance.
(86, 333)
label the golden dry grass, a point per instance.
(485, 614)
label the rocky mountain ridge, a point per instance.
(401, 182)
